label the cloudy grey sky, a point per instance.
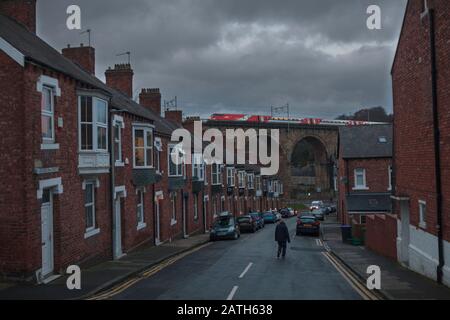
(242, 55)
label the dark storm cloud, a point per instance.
(236, 55)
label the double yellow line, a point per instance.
(352, 279)
(143, 275)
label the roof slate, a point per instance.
(363, 141)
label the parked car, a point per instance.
(259, 219)
(326, 210)
(285, 213)
(247, 223)
(316, 205)
(333, 208)
(270, 217)
(319, 214)
(291, 212)
(308, 225)
(225, 227)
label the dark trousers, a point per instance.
(281, 248)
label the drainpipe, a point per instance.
(437, 146)
(112, 182)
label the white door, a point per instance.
(117, 230)
(158, 228)
(185, 235)
(47, 233)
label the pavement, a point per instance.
(246, 269)
(102, 276)
(397, 282)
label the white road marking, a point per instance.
(246, 269)
(232, 293)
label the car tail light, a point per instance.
(317, 223)
(299, 222)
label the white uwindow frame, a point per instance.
(44, 83)
(216, 174)
(147, 146)
(95, 124)
(119, 125)
(241, 179)
(195, 207)
(230, 177)
(198, 167)
(390, 177)
(360, 172)
(179, 168)
(422, 214)
(157, 156)
(173, 201)
(91, 230)
(48, 92)
(258, 186)
(251, 181)
(140, 209)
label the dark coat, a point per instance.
(282, 233)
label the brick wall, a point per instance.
(413, 126)
(381, 235)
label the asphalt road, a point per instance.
(247, 269)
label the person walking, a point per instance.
(282, 237)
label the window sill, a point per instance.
(360, 188)
(91, 233)
(142, 168)
(423, 225)
(50, 146)
(173, 222)
(119, 164)
(141, 226)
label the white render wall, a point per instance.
(423, 253)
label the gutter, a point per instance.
(437, 146)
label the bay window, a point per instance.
(93, 115)
(143, 147)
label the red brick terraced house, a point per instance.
(365, 171)
(87, 166)
(421, 90)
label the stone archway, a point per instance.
(309, 167)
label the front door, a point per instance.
(158, 227)
(47, 233)
(117, 229)
(185, 200)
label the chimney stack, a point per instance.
(151, 99)
(121, 78)
(83, 56)
(175, 116)
(23, 11)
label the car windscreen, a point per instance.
(268, 214)
(243, 219)
(223, 223)
(255, 215)
(307, 220)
